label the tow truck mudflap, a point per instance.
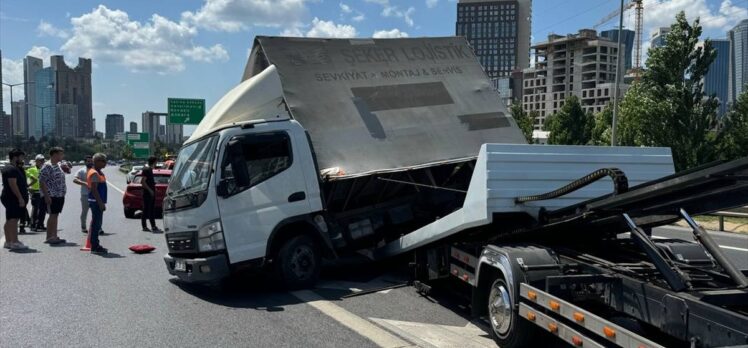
(198, 270)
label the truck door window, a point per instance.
(265, 155)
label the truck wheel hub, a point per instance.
(302, 262)
(500, 309)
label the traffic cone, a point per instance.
(88, 243)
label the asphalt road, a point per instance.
(60, 296)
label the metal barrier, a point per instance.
(738, 213)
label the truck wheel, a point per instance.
(508, 330)
(298, 263)
(129, 213)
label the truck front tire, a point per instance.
(508, 330)
(298, 263)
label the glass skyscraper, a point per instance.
(738, 78)
(499, 33)
(628, 42)
(715, 81)
(44, 80)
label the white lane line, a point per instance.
(721, 246)
(116, 188)
(363, 327)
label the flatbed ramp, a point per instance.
(506, 171)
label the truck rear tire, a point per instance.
(129, 213)
(298, 263)
(508, 330)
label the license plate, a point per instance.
(180, 266)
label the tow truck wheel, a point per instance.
(298, 263)
(507, 329)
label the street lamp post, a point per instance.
(43, 108)
(11, 85)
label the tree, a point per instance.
(127, 152)
(601, 131)
(732, 137)
(668, 107)
(524, 121)
(571, 125)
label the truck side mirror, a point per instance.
(238, 164)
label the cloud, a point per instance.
(389, 10)
(159, 45)
(348, 11)
(47, 29)
(236, 15)
(661, 13)
(431, 3)
(324, 29)
(389, 34)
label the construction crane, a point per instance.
(639, 8)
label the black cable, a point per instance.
(620, 185)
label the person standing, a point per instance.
(148, 183)
(52, 183)
(81, 178)
(38, 208)
(13, 198)
(97, 196)
(25, 220)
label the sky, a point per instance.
(147, 51)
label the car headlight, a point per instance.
(210, 237)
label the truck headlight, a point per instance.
(210, 237)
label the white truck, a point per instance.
(388, 147)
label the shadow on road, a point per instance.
(25, 251)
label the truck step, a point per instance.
(598, 326)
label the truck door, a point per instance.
(276, 191)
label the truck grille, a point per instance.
(184, 241)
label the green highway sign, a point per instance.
(140, 144)
(185, 111)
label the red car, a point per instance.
(133, 201)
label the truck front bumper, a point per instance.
(199, 270)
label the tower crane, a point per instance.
(638, 6)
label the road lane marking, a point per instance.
(363, 327)
(438, 336)
(116, 188)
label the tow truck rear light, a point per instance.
(553, 328)
(554, 305)
(530, 316)
(609, 332)
(578, 317)
(577, 341)
(532, 295)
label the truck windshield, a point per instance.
(192, 170)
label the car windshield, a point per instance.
(192, 171)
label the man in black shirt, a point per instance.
(149, 196)
(14, 196)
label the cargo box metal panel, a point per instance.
(373, 105)
(504, 172)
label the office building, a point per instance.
(114, 124)
(73, 87)
(658, 38)
(66, 121)
(627, 40)
(151, 124)
(499, 33)
(31, 65)
(4, 127)
(738, 66)
(174, 133)
(133, 127)
(16, 116)
(44, 105)
(581, 64)
(715, 80)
